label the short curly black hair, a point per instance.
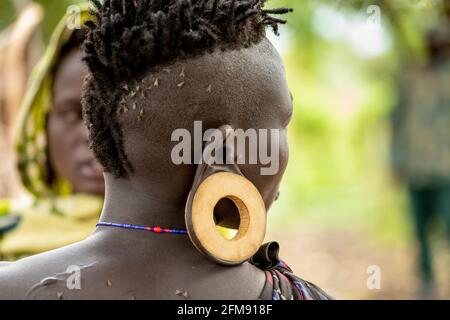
(128, 38)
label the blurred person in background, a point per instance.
(20, 49)
(421, 145)
(54, 161)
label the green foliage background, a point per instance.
(54, 9)
(339, 173)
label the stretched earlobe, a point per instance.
(219, 187)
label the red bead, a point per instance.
(166, 230)
(157, 229)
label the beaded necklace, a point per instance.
(143, 228)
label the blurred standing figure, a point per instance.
(20, 49)
(421, 145)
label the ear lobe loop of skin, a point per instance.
(205, 169)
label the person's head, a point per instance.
(69, 155)
(52, 151)
(437, 44)
(157, 66)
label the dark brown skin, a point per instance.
(249, 90)
(70, 156)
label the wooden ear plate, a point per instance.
(200, 223)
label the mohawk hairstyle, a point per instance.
(131, 37)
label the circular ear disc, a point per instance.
(202, 227)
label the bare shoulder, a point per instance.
(12, 282)
(36, 276)
(243, 282)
